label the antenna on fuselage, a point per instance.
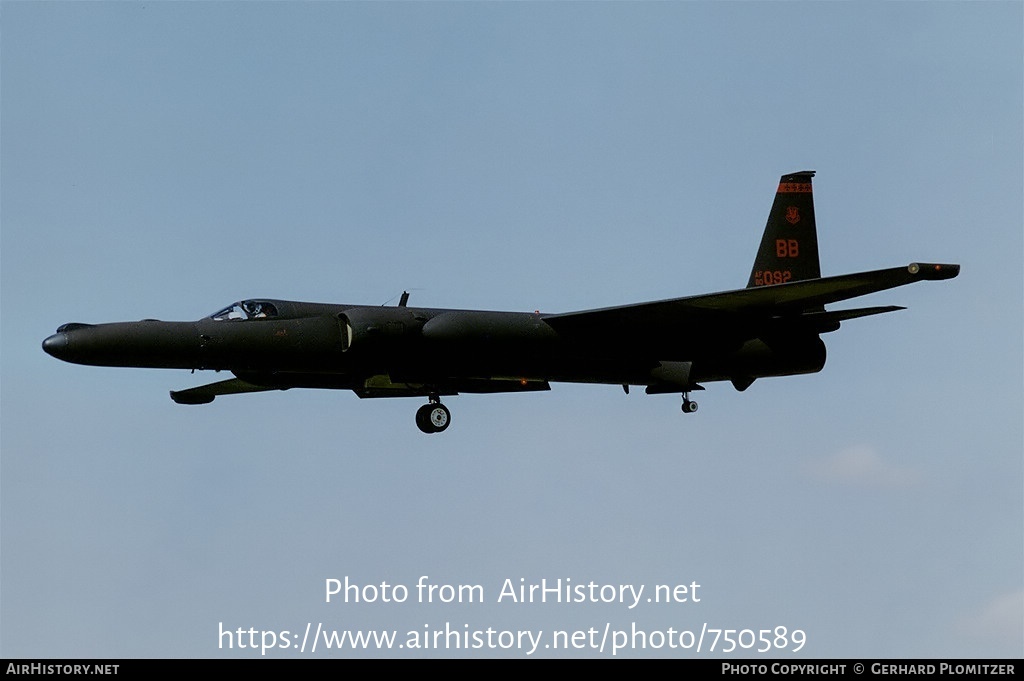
(403, 301)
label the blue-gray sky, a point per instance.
(165, 159)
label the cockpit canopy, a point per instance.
(246, 309)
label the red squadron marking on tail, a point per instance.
(794, 188)
(787, 248)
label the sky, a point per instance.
(161, 160)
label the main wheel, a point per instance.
(689, 406)
(439, 417)
(433, 417)
(423, 418)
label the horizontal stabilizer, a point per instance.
(856, 313)
(834, 317)
(205, 394)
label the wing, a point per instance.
(732, 312)
(205, 394)
(383, 387)
(375, 386)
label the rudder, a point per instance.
(789, 246)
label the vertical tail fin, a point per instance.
(789, 247)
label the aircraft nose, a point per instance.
(56, 345)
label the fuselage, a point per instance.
(345, 346)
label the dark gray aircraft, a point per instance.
(770, 328)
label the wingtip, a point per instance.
(186, 397)
(933, 271)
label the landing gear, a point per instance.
(433, 417)
(689, 406)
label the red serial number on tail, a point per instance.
(768, 277)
